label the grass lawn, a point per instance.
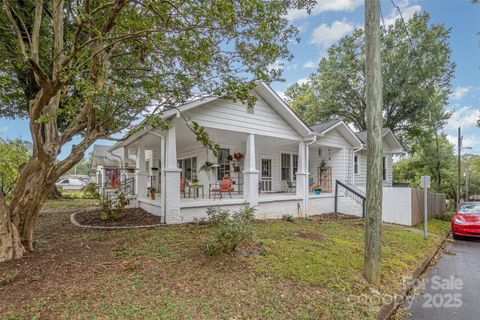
(73, 199)
(312, 269)
(440, 226)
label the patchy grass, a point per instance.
(311, 269)
(69, 203)
(437, 226)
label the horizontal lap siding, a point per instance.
(232, 116)
(339, 160)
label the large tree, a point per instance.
(416, 66)
(14, 154)
(90, 68)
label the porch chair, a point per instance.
(182, 186)
(224, 187)
(290, 186)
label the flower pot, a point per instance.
(317, 191)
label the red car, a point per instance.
(466, 222)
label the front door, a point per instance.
(266, 178)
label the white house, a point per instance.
(270, 155)
(106, 165)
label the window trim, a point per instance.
(384, 168)
(291, 173)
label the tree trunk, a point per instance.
(34, 184)
(373, 223)
(438, 173)
(55, 194)
(10, 243)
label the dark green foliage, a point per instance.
(414, 79)
(227, 230)
(90, 191)
(110, 212)
(288, 217)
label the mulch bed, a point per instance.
(129, 217)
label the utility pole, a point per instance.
(459, 164)
(373, 221)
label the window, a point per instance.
(224, 168)
(188, 167)
(295, 164)
(355, 165)
(285, 166)
(384, 168)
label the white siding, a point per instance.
(233, 116)
(361, 178)
(339, 159)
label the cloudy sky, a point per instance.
(332, 19)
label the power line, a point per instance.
(409, 39)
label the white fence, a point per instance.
(405, 205)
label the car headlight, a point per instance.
(458, 221)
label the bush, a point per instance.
(90, 191)
(109, 213)
(227, 231)
(288, 217)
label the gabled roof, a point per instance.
(387, 135)
(342, 127)
(102, 156)
(321, 127)
(262, 89)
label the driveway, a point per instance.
(452, 288)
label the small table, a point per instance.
(195, 190)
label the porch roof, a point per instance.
(262, 89)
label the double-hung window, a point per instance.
(188, 167)
(285, 165)
(289, 166)
(224, 168)
(384, 168)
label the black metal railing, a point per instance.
(355, 191)
(110, 195)
(352, 195)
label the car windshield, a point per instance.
(469, 208)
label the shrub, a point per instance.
(90, 191)
(227, 231)
(288, 217)
(109, 213)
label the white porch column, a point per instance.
(302, 174)
(141, 172)
(124, 172)
(172, 179)
(250, 174)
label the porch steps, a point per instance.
(347, 205)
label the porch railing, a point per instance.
(352, 190)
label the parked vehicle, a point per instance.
(71, 184)
(466, 221)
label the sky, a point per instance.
(330, 20)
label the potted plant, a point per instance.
(195, 182)
(152, 193)
(317, 189)
(209, 168)
(238, 155)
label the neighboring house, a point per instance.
(270, 155)
(106, 166)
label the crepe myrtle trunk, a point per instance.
(18, 218)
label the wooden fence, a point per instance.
(435, 202)
(404, 206)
